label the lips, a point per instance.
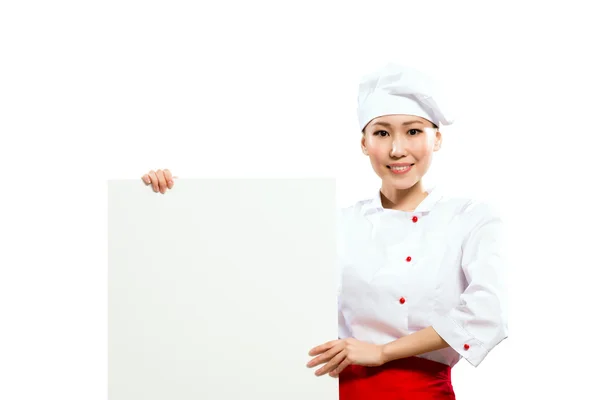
(400, 168)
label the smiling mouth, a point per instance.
(402, 168)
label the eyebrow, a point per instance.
(382, 123)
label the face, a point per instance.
(400, 148)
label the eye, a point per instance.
(414, 132)
(380, 133)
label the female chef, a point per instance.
(421, 273)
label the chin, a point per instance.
(399, 183)
(400, 186)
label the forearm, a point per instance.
(420, 342)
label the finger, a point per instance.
(322, 348)
(169, 178)
(328, 355)
(337, 371)
(332, 364)
(162, 183)
(321, 352)
(146, 179)
(153, 180)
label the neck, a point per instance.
(403, 199)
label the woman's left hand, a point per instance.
(338, 354)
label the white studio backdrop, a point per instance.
(94, 91)
(224, 292)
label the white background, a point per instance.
(91, 91)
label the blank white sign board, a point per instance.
(219, 288)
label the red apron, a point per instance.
(412, 378)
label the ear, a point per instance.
(438, 141)
(363, 145)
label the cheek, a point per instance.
(377, 154)
(423, 151)
(377, 149)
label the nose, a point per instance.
(398, 147)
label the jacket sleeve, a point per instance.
(479, 322)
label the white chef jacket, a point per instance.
(441, 265)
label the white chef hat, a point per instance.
(398, 89)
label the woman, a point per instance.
(422, 274)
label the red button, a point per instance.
(402, 300)
(408, 258)
(415, 219)
(466, 346)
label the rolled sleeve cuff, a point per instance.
(460, 340)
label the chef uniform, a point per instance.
(440, 265)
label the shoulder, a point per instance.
(479, 223)
(354, 209)
(471, 210)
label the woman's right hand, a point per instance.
(161, 180)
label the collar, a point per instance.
(373, 205)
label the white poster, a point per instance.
(219, 288)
